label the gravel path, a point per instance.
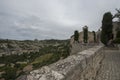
(110, 68)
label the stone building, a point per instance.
(90, 38)
(98, 36)
(116, 28)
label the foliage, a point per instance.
(94, 34)
(48, 54)
(76, 36)
(19, 66)
(10, 73)
(61, 51)
(41, 61)
(118, 34)
(106, 28)
(117, 40)
(85, 32)
(42, 58)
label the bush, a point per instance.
(10, 73)
(117, 41)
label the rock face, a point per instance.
(81, 66)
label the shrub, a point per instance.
(10, 73)
(117, 41)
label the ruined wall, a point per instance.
(78, 47)
(81, 66)
(90, 38)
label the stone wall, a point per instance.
(90, 38)
(81, 66)
(78, 47)
(116, 27)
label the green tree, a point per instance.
(106, 28)
(85, 33)
(76, 36)
(94, 34)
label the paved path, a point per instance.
(110, 68)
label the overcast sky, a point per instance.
(51, 19)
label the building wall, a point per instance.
(116, 27)
(90, 38)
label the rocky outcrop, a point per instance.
(81, 66)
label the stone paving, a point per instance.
(110, 66)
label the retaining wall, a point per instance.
(81, 66)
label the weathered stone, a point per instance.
(81, 66)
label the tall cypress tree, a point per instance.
(94, 36)
(85, 34)
(106, 28)
(76, 35)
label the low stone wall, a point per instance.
(81, 66)
(78, 47)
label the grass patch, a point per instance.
(42, 58)
(45, 60)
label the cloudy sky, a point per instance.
(48, 19)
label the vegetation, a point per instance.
(10, 73)
(14, 64)
(117, 40)
(118, 34)
(85, 32)
(94, 34)
(106, 28)
(76, 36)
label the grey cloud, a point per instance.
(46, 19)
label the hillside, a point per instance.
(8, 47)
(20, 57)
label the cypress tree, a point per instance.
(76, 35)
(106, 28)
(94, 36)
(85, 34)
